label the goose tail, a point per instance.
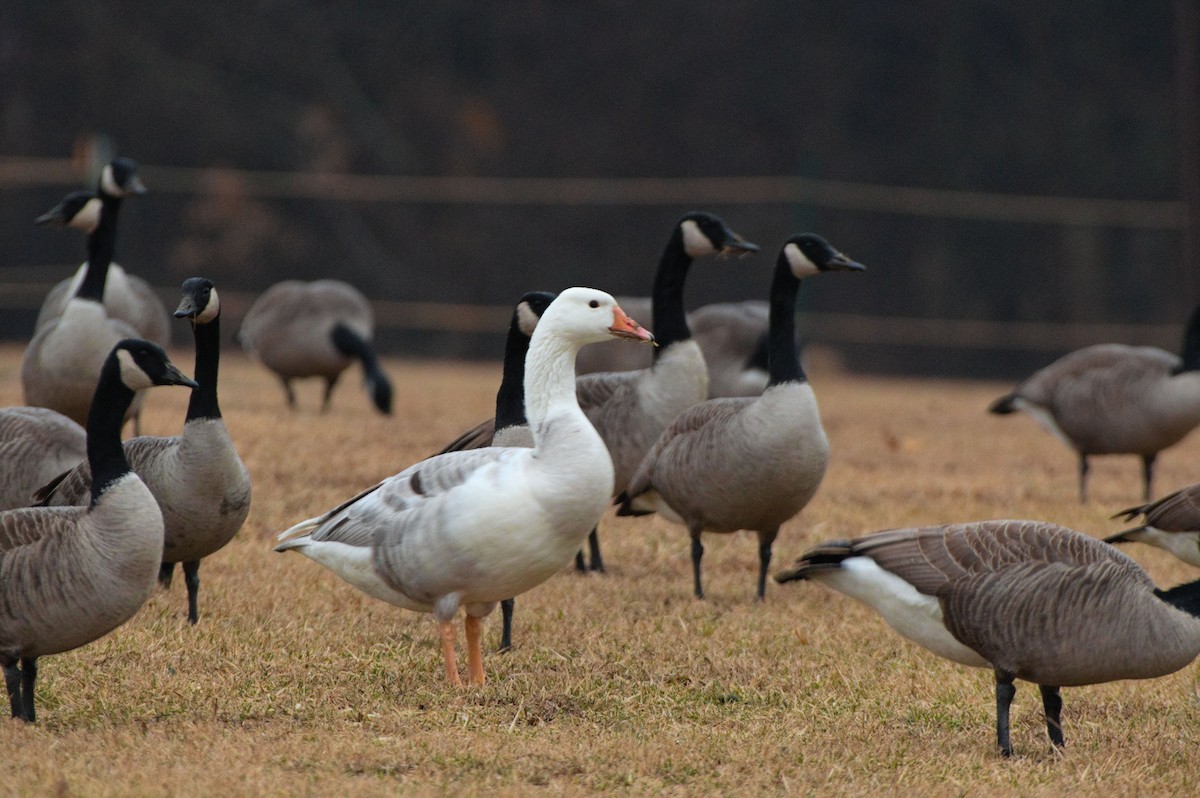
(1004, 405)
(1127, 536)
(824, 557)
(298, 536)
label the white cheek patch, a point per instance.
(211, 309)
(88, 218)
(695, 243)
(526, 319)
(131, 373)
(801, 265)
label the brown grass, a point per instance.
(294, 683)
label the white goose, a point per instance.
(467, 529)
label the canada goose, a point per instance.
(1029, 599)
(316, 329)
(747, 462)
(1171, 523)
(1115, 399)
(509, 427)
(62, 362)
(467, 529)
(197, 477)
(36, 444)
(732, 336)
(70, 575)
(126, 297)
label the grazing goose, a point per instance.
(1171, 523)
(316, 329)
(748, 462)
(200, 483)
(36, 445)
(70, 575)
(467, 529)
(126, 296)
(1028, 599)
(1115, 399)
(509, 427)
(732, 336)
(62, 362)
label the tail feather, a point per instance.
(298, 535)
(1130, 513)
(1004, 405)
(626, 507)
(825, 557)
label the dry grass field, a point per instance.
(294, 683)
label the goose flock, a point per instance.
(717, 432)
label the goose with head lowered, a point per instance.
(747, 462)
(36, 445)
(469, 528)
(1030, 600)
(315, 329)
(1172, 523)
(70, 575)
(510, 427)
(126, 297)
(197, 477)
(1115, 399)
(630, 408)
(62, 361)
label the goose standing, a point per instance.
(36, 445)
(1171, 523)
(1115, 399)
(467, 529)
(197, 477)
(747, 463)
(510, 427)
(62, 362)
(70, 575)
(126, 297)
(1028, 599)
(315, 329)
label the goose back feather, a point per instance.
(36, 444)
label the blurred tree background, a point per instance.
(1073, 99)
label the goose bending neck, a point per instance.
(1191, 344)
(203, 403)
(102, 243)
(351, 344)
(549, 377)
(105, 455)
(668, 315)
(783, 357)
(510, 399)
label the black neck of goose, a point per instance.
(351, 344)
(1191, 344)
(102, 244)
(203, 403)
(669, 317)
(1184, 597)
(783, 357)
(510, 399)
(105, 455)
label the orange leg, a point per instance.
(447, 630)
(474, 628)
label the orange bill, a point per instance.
(625, 327)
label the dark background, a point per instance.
(1078, 99)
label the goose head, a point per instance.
(119, 178)
(585, 316)
(199, 302)
(79, 209)
(707, 234)
(530, 309)
(808, 254)
(142, 364)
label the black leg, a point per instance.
(329, 384)
(12, 682)
(1147, 474)
(506, 610)
(166, 572)
(287, 390)
(697, 554)
(1083, 472)
(765, 541)
(1052, 702)
(28, 677)
(580, 562)
(1004, 696)
(191, 577)
(594, 551)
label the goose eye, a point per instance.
(595, 303)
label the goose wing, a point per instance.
(74, 487)
(479, 436)
(694, 430)
(595, 391)
(26, 526)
